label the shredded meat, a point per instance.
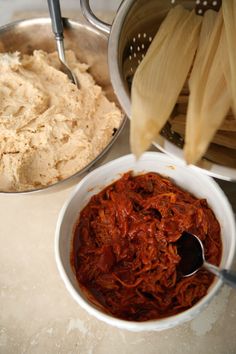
(124, 249)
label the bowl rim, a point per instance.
(158, 324)
(69, 23)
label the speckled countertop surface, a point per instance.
(37, 315)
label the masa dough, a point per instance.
(49, 130)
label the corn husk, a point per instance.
(226, 138)
(161, 76)
(209, 100)
(178, 124)
(229, 16)
(199, 73)
(221, 155)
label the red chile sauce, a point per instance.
(124, 249)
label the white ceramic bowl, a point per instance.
(190, 179)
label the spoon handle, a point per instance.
(227, 276)
(55, 14)
(57, 27)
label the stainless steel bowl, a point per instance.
(89, 45)
(130, 35)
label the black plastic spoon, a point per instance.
(191, 251)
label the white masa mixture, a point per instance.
(49, 129)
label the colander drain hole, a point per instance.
(141, 41)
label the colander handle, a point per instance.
(89, 15)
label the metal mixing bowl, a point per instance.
(89, 45)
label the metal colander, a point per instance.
(131, 33)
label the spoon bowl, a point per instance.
(191, 250)
(64, 66)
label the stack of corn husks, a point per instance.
(191, 65)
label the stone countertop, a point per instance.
(39, 316)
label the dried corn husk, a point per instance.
(161, 76)
(229, 16)
(178, 123)
(209, 100)
(221, 155)
(226, 138)
(199, 73)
